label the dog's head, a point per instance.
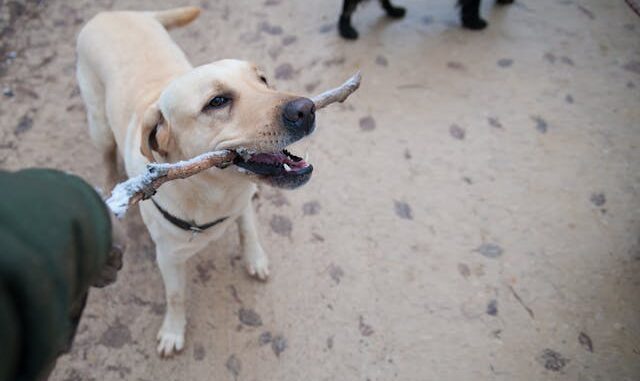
(228, 104)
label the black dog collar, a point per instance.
(186, 225)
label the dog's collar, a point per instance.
(186, 225)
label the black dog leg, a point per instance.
(470, 14)
(344, 25)
(392, 10)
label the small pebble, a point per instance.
(566, 60)
(585, 341)
(336, 273)
(249, 317)
(494, 122)
(455, 65)
(505, 62)
(365, 329)
(234, 365)
(403, 210)
(490, 250)
(552, 360)
(598, 199)
(457, 132)
(326, 28)
(367, 123)
(464, 270)
(382, 61)
(265, 338)
(24, 125)
(288, 40)
(541, 125)
(632, 66)
(492, 308)
(278, 345)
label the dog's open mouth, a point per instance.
(282, 169)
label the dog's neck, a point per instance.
(207, 196)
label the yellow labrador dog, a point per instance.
(146, 102)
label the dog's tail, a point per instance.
(175, 17)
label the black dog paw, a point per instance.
(346, 30)
(474, 23)
(504, 2)
(395, 12)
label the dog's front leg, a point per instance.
(171, 335)
(344, 24)
(254, 257)
(470, 14)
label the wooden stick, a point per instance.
(144, 186)
(339, 94)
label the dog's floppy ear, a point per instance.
(155, 133)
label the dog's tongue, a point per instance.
(279, 158)
(269, 158)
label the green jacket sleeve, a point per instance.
(55, 235)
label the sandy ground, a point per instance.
(474, 213)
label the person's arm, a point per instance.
(55, 242)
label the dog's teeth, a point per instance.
(286, 167)
(244, 153)
(306, 156)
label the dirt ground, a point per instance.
(474, 213)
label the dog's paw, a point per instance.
(346, 30)
(257, 264)
(504, 2)
(170, 341)
(396, 12)
(474, 23)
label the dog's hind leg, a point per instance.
(93, 94)
(344, 25)
(470, 14)
(254, 256)
(392, 10)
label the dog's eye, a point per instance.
(263, 79)
(218, 102)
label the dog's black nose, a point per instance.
(299, 116)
